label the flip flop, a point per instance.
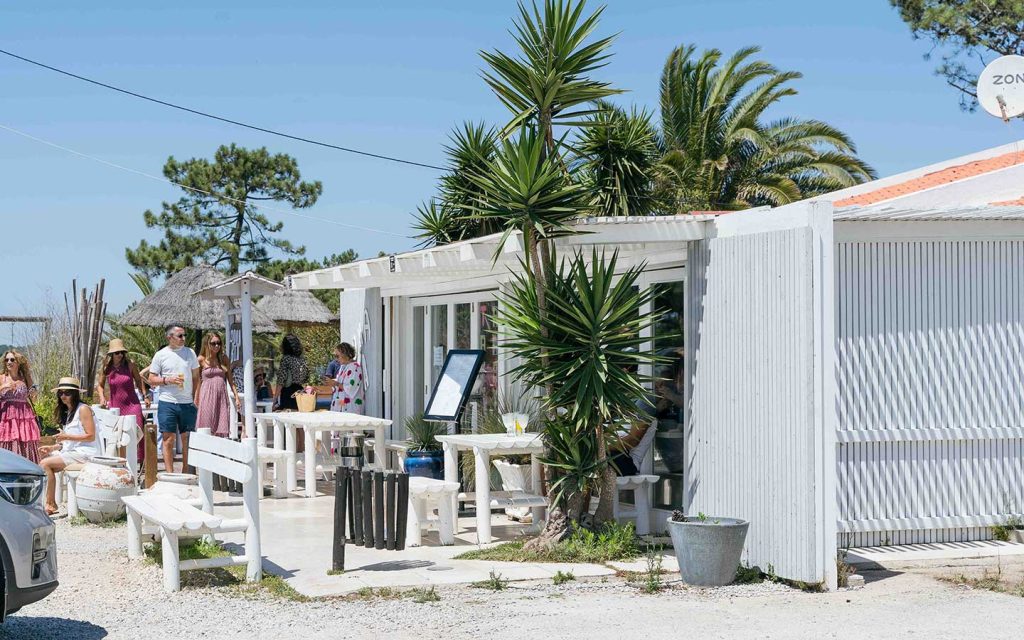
(52, 511)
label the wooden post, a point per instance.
(389, 510)
(341, 475)
(152, 455)
(403, 510)
(357, 507)
(251, 501)
(367, 480)
(378, 510)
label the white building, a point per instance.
(854, 365)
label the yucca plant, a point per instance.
(421, 433)
(591, 334)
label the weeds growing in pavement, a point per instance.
(652, 575)
(563, 577)
(609, 543)
(495, 582)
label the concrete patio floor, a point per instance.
(297, 545)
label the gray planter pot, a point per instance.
(708, 553)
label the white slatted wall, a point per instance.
(754, 435)
(930, 374)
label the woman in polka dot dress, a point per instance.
(348, 384)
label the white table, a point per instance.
(324, 422)
(483, 446)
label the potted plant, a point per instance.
(424, 457)
(708, 549)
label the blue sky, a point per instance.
(390, 77)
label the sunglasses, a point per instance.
(177, 335)
(10, 359)
(214, 344)
(65, 392)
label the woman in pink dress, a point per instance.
(125, 382)
(211, 394)
(19, 431)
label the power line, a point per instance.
(222, 119)
(208, 193)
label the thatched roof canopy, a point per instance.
(295, 308)
(176, 302)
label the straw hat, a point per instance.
(69, 382)
(116, 345)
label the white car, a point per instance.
(28, 546)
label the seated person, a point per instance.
(78, 440)
(262, 388)
(629, 452)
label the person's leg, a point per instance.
(167, 423)
(187, 424)
(52, 465)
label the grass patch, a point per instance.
(988, 582)
(231, 580)
(419, 595)
(80, 521)
(335, 572)
(495, 582)
(610, 542)
(561, 577)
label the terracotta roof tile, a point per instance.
(1019, 202)
(935, 179)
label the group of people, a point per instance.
(190, 391)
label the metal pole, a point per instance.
(367, 480)
(403, 510)
(378, 510)
(357, 507)
(389, 510)
(341, 475)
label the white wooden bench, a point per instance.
(424, 495)
(175, 517)
(397, 447)
(114, 432)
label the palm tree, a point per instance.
(449, 217)
(615, 155)
(718, 152)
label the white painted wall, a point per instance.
(360, 317)
(760, 440)
(930, 367)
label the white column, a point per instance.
(250, 390)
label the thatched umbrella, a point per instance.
(176, 302)
(295, 309)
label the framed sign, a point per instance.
(453, 386)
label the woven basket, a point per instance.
(305, 401)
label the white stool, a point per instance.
(424, 495)
(641, 512)
(278, 458)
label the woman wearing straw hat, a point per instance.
(125, 382)
(79, 439)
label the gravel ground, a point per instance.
(103, 595)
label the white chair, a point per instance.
(171, 516)
(426, 494)
(640, 485)
(399, 449)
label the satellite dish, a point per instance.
(1001, 87)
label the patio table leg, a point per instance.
(483, 496)
(380, 452)
(310, 459)
(537, 512)
(289, 436)
(451, 474)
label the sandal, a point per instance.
(52, 510)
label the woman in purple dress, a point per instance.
(211, 394)
(19, 431)
(125, 382)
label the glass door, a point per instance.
(667, 335)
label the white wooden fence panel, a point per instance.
(759, 420)
(930, 372)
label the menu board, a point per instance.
(453, 386)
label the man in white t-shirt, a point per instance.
(175, 369)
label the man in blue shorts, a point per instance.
(175, 369)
